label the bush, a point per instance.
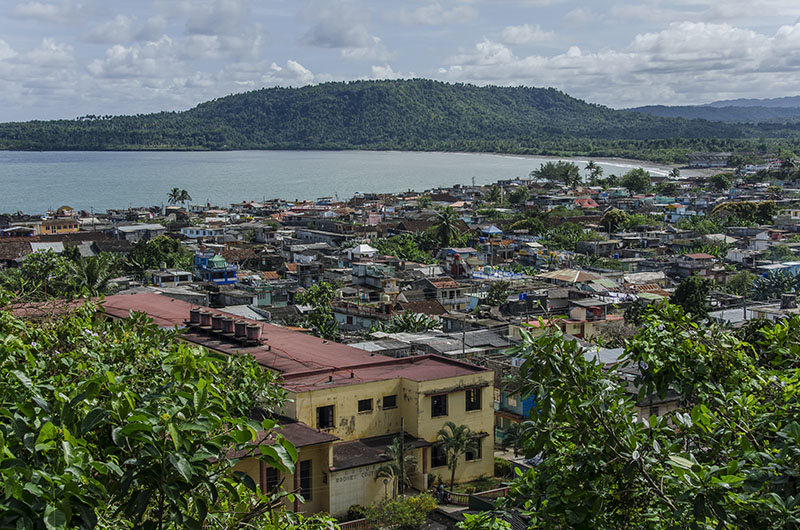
(356, 511)
(503, 468)
(402, 513)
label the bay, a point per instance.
(34, 182)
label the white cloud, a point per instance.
(525, 34)
(384, 72)
(687, 62)
(434, 15)
(580, 17)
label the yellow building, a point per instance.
(346, 406)
(66, 225)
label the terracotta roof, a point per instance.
(305, 361)
(699, 255)
(444, 284)
(232, 255)
(270, 275)
(292, 267)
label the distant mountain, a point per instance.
(784, 102)
(416, 114)
(728, 114)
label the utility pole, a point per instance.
(402, 455)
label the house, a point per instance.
(449, 293)
(211, 267)
(697, 263)
(345, 405)
(169, 277)
(138, 232)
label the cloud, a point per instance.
(220, 17)
(384, 72)
(46, 12)
(688, 62)
(525, 34)
(580, 17)
(124, 28)
(434, 15)
(342, 26)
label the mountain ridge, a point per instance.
(415, 114)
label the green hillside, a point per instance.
(403, 114)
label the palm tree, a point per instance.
(174, 196)
(495, 195)
(595, 172)
(177, 195)
(93, 274)
(456, 440)
(391, 469)
(516, 435)
(447, 228)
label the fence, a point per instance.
(462, 499)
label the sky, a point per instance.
(70, 58)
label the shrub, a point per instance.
(503, 468)
(356, 511)
(402, 513)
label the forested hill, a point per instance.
(729, 114)
(414, 114)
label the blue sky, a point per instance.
(67, 58)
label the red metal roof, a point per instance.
(306, 362)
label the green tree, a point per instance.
(516, 436)
(719, 461)
(494, 195)
(456, 440)
(614, 219)
(319, 320)
(498, 292)
(397, 461)
(153, 253)
(561, 171)
(741, 283)
(667, 188)
(124, 426)
(92, 275)
(424, 201)
(448, 226)
(519, 195)
(675, 173)
(779, 252)
(408, 322)
(692, 295)
(594, 171)
(720, 181)
(177, 195)
(637, 181)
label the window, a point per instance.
(305, 479)
(438, 456)
(476, 453)
(439, 405)
(271, 479)
(365, 405)
(654, 411)
(473, 396)
(349, 320)
(325, 417)
(390, 402)
(512, 401)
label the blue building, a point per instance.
(211, 267)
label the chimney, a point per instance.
(788, 301)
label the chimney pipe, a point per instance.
(788, 301)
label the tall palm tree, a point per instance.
(595, 172)
(495, 195)
(446, 229)
(391, 469)
(456, 440)
(183, 197)
(174, 196)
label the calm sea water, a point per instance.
(34, 182)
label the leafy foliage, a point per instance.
(319, 320)
(409, 247)
(568, 173)
(726, 459)
(402, 513)
(637, 181)
(117, 424)
(692, 294)
(408, 322)
(456, 441)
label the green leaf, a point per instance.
(47, 432)
(681, 462)
(93, 419)
(183, 467)
(54, 519)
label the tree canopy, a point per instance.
(726, 458)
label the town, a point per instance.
(391, 319)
